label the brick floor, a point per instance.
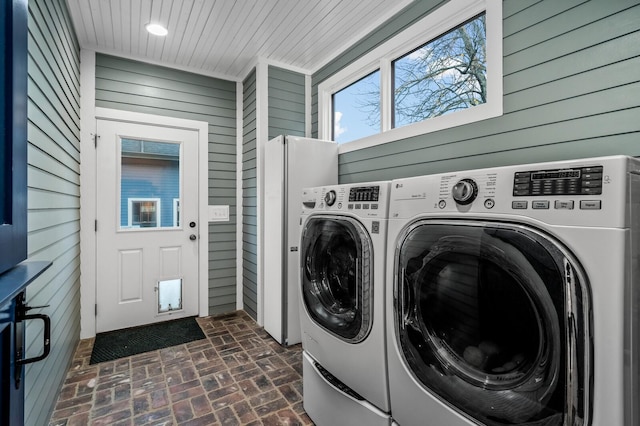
(238, 375)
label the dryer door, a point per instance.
(493, 319)
(336, 276)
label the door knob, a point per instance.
(192, 237)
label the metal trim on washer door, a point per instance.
(315, 280)
(573, 312)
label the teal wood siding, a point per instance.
(249, 197)
(134, 86)
(286, 102)
(571, 90)
(53, 199)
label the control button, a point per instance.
(590, 205)
(563, 205)
(358, 206)
(540, 205)
(365, 206)
(350, 206)
(489, 203)
(330, 198)
(592, 191)
(442, 204)
(465, 191)
(374, 207)
(339, 205)
(519, 205)
(592, 176)
(596, 169)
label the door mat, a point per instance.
(132, 341)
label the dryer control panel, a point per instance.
(582, 192)
(569, 181)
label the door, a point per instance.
(147, 226)
(494, 320)
(336, 276)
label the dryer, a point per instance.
(343, 248)
(513, 295)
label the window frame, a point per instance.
(437, 23)
(132, 200)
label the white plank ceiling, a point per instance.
(225, 38)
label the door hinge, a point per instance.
(96, 309)
(95, 140)
(95, 225)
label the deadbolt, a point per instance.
(192, 224)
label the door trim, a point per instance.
(88, 257)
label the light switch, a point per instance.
(218, 213)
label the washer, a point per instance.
(513, 295)
(343, 248)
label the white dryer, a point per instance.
(513, 295)
(343, 248)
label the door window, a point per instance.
(336, 281)
(481, 319)
(149, 184)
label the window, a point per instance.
(443, 71)
(445, 75)
(356, 109)
(149, 184)
(143, 213)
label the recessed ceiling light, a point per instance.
(156, 29)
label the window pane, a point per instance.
(356, 109)
(445, 75)
(150, 184)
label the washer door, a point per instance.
(492, 319)
(336, 276)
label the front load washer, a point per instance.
(513, 295)
(343, 248)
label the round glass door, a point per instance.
(490, 318)
(336, 274)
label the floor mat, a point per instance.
(131, 341)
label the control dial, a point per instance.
(465, 191)
(330, 198)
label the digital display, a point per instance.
(364, 193)
(557, 174)
(576, 181)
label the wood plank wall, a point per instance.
(53, 198)
(135, 86)
(571, 90)
(249, 197)
(286, 102)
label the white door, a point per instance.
(147, 229)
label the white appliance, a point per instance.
(290, 164)
(514, 295)
(342, 304)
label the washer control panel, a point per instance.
(370, 199)
(570, 181)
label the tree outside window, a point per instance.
(445, 75)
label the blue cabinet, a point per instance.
(13, 133)
(13, 315)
